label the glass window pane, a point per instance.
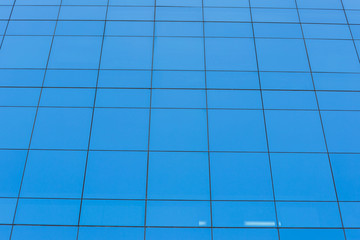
(248, 234)
(110, 233)
(350, 212)
(178, 234)
(44, 232)
(312, 234)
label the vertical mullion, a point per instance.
(320, 117)
(35, 117)
(92, 120)
(265, 126)
(149, 129)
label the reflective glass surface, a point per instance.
(179, 119)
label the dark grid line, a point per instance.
(149, 128)
(322, 125)
(7, 24)
(91, 124)
(265, 127)
(33, 127)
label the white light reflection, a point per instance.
(259, 223)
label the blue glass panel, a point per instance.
(178, 176)
(127, 53)
(282, 55)
(277, 30)
(122, 28)
(289, 100)
(75, 52)
(178, 98)
(350, 4)
(5, 231)
(352, 234)
(230, 54)
(226, 3)
(55, 174)
(350, 212)
(30, 28)
(322, 16)
(116, 175)
(67, 97)
(44, 232)
(333, 56)
(185, 53)
(339, 100)
(227, 14)
(308, 214)
(346, 168)
(355, 30)
(62, 128)
(176, 129)
(336, 81)
(110, 233)
(70, 78)
(82, 13)
(11, 169)
(273, 3)
(192, 3)
(312, 234)
(123, 98)
(237, 176)
(236, 130)
(326, 31)
(47, 211)
(243, 214)
(19, 96)
(342, 137)
(234, 99)
(178, 79)
(301, 131)
(327, 4)
(7, 209)
(275, 15)
(302, 177)
(178, 234)
(186, 29)
(5, 12)
(15, 127)
(24, 52)
(37, 2)
(131, 13)
(112, 213)
(248, 234)
(232, 80)
(124, 79)
(178, 14)
(80, 28)
(178, 213)
(132, 2)
(285, 80)
(353, 16)
(120, 129)
(35, 12)
(84, 2)
(221, 29)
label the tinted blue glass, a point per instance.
(353, 16)
(55, 174)
(110, 233)
(178, 79)
(289, 100)
(230, 54)
(227, 14)
(35, 12)
(352, 234)
(300, 131)
(336, 81)
(75, 52)
(112, 213)
(19, 96)
(322, 16)
(178, 98)
(5, 231)
(308, 214)
(345, 169)
(44, 232)
(37, 2)
(61, 128)
(225, 3)
(333, 56)
(350, 4)
(273, 4)
(124, 79)
(178, 176)
(7, 208)
(286, 80)
(341, 137)
(277, 30)
(178, 14)
(282, 55)
(179, 29)
(178, 213)
(275, 15)
(122, 98)
(232, 80)
(175, 129)
(193, 3)
(67, 97)
(127, 28)
(47, 211)
(327, 4)
(243, 214)
(30, 28)
(221, 29)
(350, 212)
(312, 234)
(355, 30)
(339, 100)
(11, 169)
(237, 176)
(116, 175)
(132, 2)
(131, 13)
(234, 99)
(326, 31)
(250, 234)
(120, 129)
(24, 52)
(79, 28)
(126, 53)
(178, 233)
(236, 130)
(302, 177)
(82, 13)
(15, 127)
(186, 53)
(84, 2)
(70, 78)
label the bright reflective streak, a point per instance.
(259, 224)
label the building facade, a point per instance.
(179, 119)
